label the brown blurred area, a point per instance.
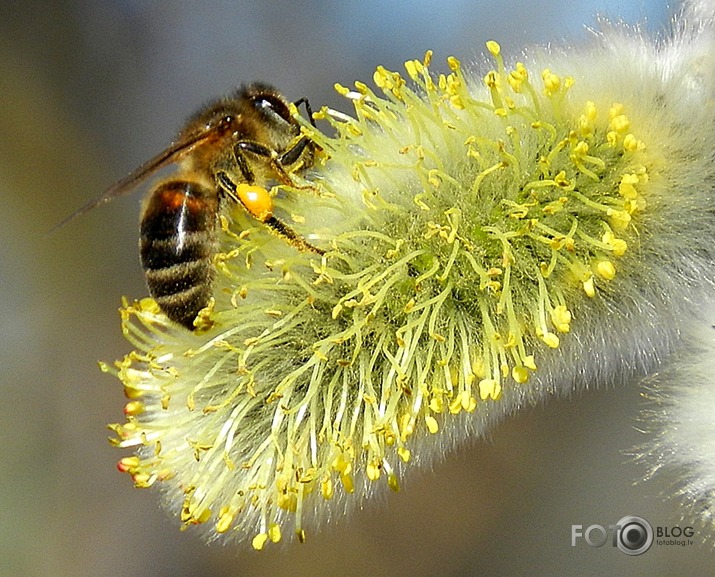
(88, 90)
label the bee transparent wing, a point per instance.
(136, 177)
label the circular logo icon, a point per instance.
(635, 535)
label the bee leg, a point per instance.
(251, 147)
(292, 155)
(308, 108)
(257, 149)
(277, 163)
(293, 237)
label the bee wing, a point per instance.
(127, 184)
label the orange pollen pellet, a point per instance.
(256, 200)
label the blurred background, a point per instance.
(88, 91)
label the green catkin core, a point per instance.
(461, 235)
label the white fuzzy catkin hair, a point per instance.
(680, 419)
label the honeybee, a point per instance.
(230, 150)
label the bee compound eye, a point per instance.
(271, 105)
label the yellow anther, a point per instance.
(406, 426)
(340, 89)
(342, 464)
(381, 79)
(552, 82)
(393, 482)
(224, 521)
(491, 79)
(517, 77)
(436, 404)
(558, 243)
(561, 317)
(605, 269)
(455, 406)
(413, 69)
(348, 483)
(274, 532)
(590, 111)
(626, 187)
(631, 143)
(373, 471)
(453, 63)
(589, 288)
(128, 464)
(520, 374)
(493, 47)
(529, 362)
(620, 219)
(362, 88)
(616, 109)
(144, 481)
(562, 180)
(471, 405)
(432, 424)
(134, 408)
(631, 206)
(489, 388)
(551, 340)
(259, 541)
(465, 399)
(620, 124)
(149, 305)
(521, 71)
(619, 246)
(287, 502)
(327, 489)
(457, 102)
(580, 150)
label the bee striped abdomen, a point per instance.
(176, 248)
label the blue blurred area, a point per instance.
(154, 62)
